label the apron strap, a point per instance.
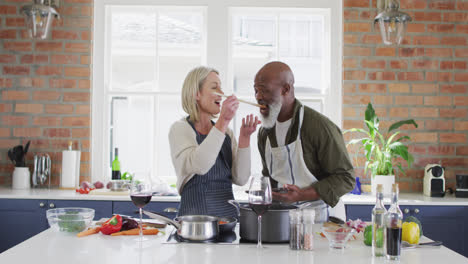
(301, 117)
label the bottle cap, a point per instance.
(379, 188)
(116, 152)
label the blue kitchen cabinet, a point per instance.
(168, 209)
(443, 223)
(24, 218)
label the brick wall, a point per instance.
(425, 78)
(45, 85)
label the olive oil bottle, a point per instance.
(378, 224)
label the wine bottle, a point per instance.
(393, 224)
(378, 225)
(116, 166)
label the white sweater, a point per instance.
(190, 158)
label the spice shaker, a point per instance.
(295, 229)
(308, 220)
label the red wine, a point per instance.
(393, 241)
(259, 208)
(140, 200)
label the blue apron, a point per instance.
(209, 194)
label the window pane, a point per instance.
(314, 104)
(254, 44)
(169, 111)
(301, 46)
(132, 132)
(181, 41)
(133, 48)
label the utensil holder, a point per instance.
(21, 178)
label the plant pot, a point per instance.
(386, 180)
(21, 178)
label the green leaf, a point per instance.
(400, 123)
(371, 127)
(370, 113)
(403, 137)
(392, 137)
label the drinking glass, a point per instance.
(141, 193)
(260, 200)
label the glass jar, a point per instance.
(308, 220)
(296, 228)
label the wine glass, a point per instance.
(141, 193)
(260, 200)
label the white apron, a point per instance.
(286, 166)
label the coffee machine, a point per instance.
(462, 186)
(434, 181)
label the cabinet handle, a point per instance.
(406, 211)
(52, 205)
(170, 210)
(416, 211)
(41, 205)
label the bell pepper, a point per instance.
(410, 232)
(112, 225)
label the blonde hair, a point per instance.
(192, 84)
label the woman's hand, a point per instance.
(249, 125)
(228, 110)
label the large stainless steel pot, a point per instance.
(192, 227)
(275, 223)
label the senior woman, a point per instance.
(205, 154)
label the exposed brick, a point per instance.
(347, 112)
(85, 59)
(8, 34)
(59, 109)
(383, 100)
(408, 100)
(372, 88)
(398, 64)
(426, 40)
(34, 59)
(16, 70)
(385, 52)
(438, 52)
(28, 108)
(62, 83)
(83, 109)
(371, 39)
(425, 64)
(347, 124)
(442, 4)
(354, 75)
(439, 125)
(46, 121)
(15, 95)
(7, 10)
(454, 88)
(461, 125)
(398, 87)
(26, 132)
(31, 82)
(461, 77)
(453, 41)
(64, 59)
(413, 4)
(411, 52)
(437, 100)
(349, 63)
(7, 143)
(46, 96)
(446, 65)
(452, 138)
(65, 34)
(56, 132)
(411, 76)
(460, 65)
(424, 137)
(77, 71)
(14, 22)
(454, 113)
(350, 39)
(427, 16)
(49, 70)
(462, 150)
(424, 112)
(86, 35)
(356, 99)
(6, 58)
(416, 28)
(5, 108)
(5, 83)
(441, 28)
(17, 46)
(84, 84)
(357, 27)
(460, 100)
(76, 47)
(438, 76)
(15, 120)
(350, 14)
(349, 88)
(376, 64)
(4, 132)
(463, 29)
(76, 121)
(356, 51)
(381, 76)
(49, 46)
(356, 3)
(444, 150)
(76, 97)
(399, 112)
(77, 22)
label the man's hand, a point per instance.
(296, 194)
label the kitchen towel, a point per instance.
(70, 177)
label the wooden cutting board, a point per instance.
(109, 192)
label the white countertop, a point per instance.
(52, 247)
(241, 196)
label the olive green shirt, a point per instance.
(324, 149)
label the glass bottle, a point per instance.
(116, 166)
(296, 229)
(378, 224)
(393, 223)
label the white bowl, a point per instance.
(70, 219)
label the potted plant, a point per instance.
(381, 149)
(21, 179)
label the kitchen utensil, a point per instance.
(42, 170)
(242, 101)
(226, 224)
(192, 227)
(406, 245)
(70, 219)
(338, 236)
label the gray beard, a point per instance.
(270, 120)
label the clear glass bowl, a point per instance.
(70, 219)
(338, 236)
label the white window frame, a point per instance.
(218, 55)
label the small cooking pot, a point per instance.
(192, 227)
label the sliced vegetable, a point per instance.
(128, 223)
(90, 231)
(136, 231)
(112, 225)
